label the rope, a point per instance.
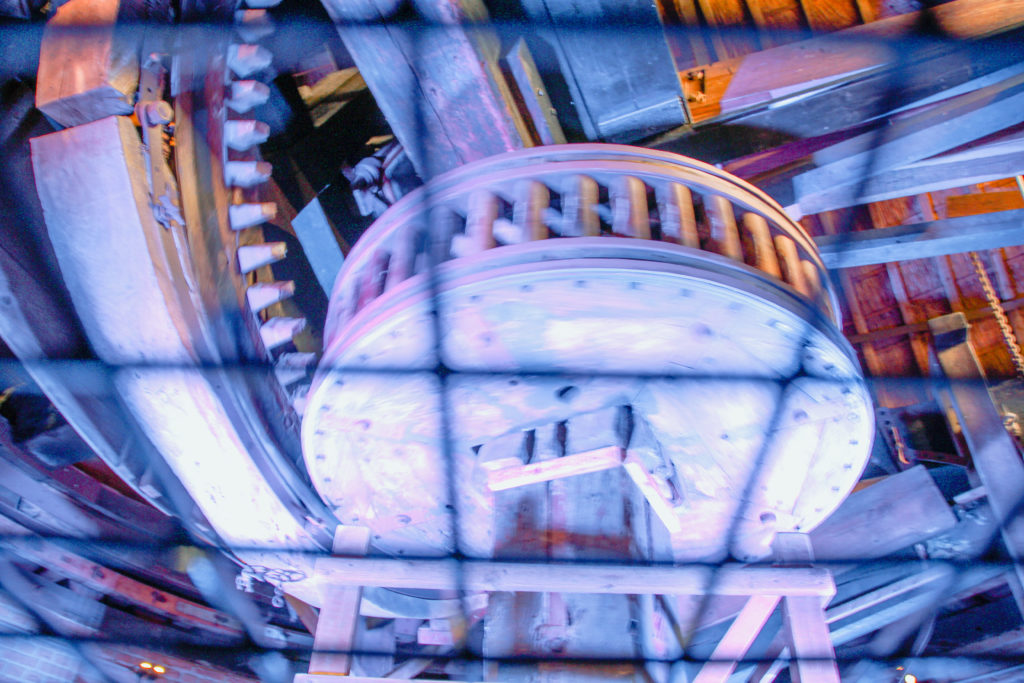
(1009, 338)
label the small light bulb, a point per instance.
(909, 678)
(159, 669)
(145, 665)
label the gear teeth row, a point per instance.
(246, 59)
(253, 24)
(244, 216)
(247, 94)
(245, 134)
(279, 331)
(261, 295)
(254, 256)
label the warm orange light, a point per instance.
(909, 678)
(899, 668)
(145, 665)
(159, 669)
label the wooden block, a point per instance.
(87, 70)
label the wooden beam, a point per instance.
(994, 453)
(984, 163)
(903, 330)
(922, 240)
(782, 93)
(612, 579)
(934, 130)
(859, 529)
(785, 70)
(624, 84)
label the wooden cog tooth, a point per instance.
(241, 135)
(261, 295)
(253, 24)
(247, 94)
(253, 256)
(245, 60)
(293, 367)
(247, 173)
(244, 216)
(279, 331)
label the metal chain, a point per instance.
(1009, 338)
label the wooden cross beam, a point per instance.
(611, 579)
(921, 240)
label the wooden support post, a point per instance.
(810, 645)
(339, 614)
(993, 452)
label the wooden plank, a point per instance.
(339, 613)
(687, 42)
(87, 69)
(984, 202)
(830, 16)
(611, 579)
(729, 14)
(566, 466)
(993, 452)
(922, 240)
(860, 528)
(738, 639)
